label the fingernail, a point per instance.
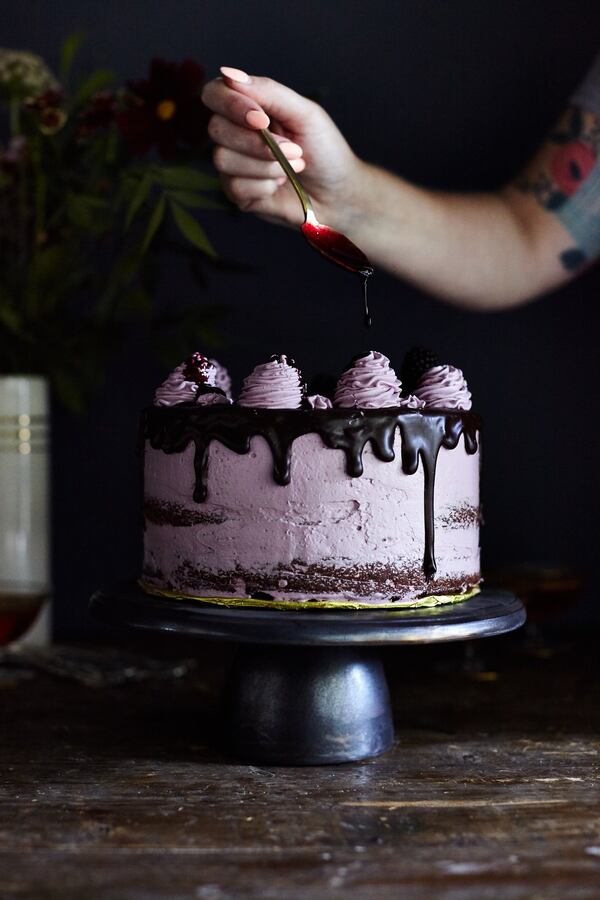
(289, 148)
(256, 118)
(235, 74)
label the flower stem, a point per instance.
(14, 117)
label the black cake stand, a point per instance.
(308, 687)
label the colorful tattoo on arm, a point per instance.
(567, 184)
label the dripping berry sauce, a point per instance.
(339, 249)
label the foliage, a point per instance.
(98, 187)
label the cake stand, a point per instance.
(308, 687)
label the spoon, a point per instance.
(331, 244)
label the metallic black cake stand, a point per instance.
(308, 687)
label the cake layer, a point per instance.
(390, 520)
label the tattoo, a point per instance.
(568, 184)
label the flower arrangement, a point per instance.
(97, 186)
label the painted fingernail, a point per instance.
(290, 149)
(235, 74)
(256, 118)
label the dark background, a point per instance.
(454, 95)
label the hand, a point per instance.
(252, 179)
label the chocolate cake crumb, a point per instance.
(163, 512)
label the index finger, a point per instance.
(233, 105)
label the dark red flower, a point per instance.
(570, 165)
(165, 109)
(47, 108)
(98, 114)
(48, 100)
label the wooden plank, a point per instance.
(491, 789)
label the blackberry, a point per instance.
(417, 361)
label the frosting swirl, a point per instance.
(411, 402)
(444, 387)
(175, 389)
(209, 396)
(318, 401)
(370, 383)
(273, 385)
(179, 387)
(222, 378)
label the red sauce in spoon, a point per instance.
(337, 248)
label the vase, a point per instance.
(24, 509)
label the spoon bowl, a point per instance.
(331, 244)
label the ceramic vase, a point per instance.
(24, 509)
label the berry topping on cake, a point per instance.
(444, 387)
(199, 369)
(276, 384)
(417, 361)
(193, 381)
(369, 383)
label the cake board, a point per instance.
(308, 687)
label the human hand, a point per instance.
(242, 105)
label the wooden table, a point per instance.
(491, 790)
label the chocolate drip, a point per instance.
(423, 432)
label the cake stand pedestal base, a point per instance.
(307, 705)
(308, 688)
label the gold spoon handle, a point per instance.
(309, 214)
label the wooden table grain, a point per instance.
(491, 790)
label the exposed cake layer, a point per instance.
(327, 532)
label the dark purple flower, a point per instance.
(165, 109)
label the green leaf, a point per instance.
(138, 199)
(135, 304)
(156, 218)
(68, 388)
(9, 317)
(69, 49)
(185, 178)
(97, 81)
(88, 212)
(197, 201)
(192, 230)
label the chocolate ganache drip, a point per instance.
(423, 432)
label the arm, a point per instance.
(481, 251)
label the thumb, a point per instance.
(289, 109)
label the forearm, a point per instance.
(482, 251)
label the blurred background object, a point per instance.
(25, 582)
(548, 590)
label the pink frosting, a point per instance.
(175, 389)
(222, 378)
(273, 385)
(318, 401)
(210, 398)
(370, 383)
(411, 402)
(444, 387)
(178, 389)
